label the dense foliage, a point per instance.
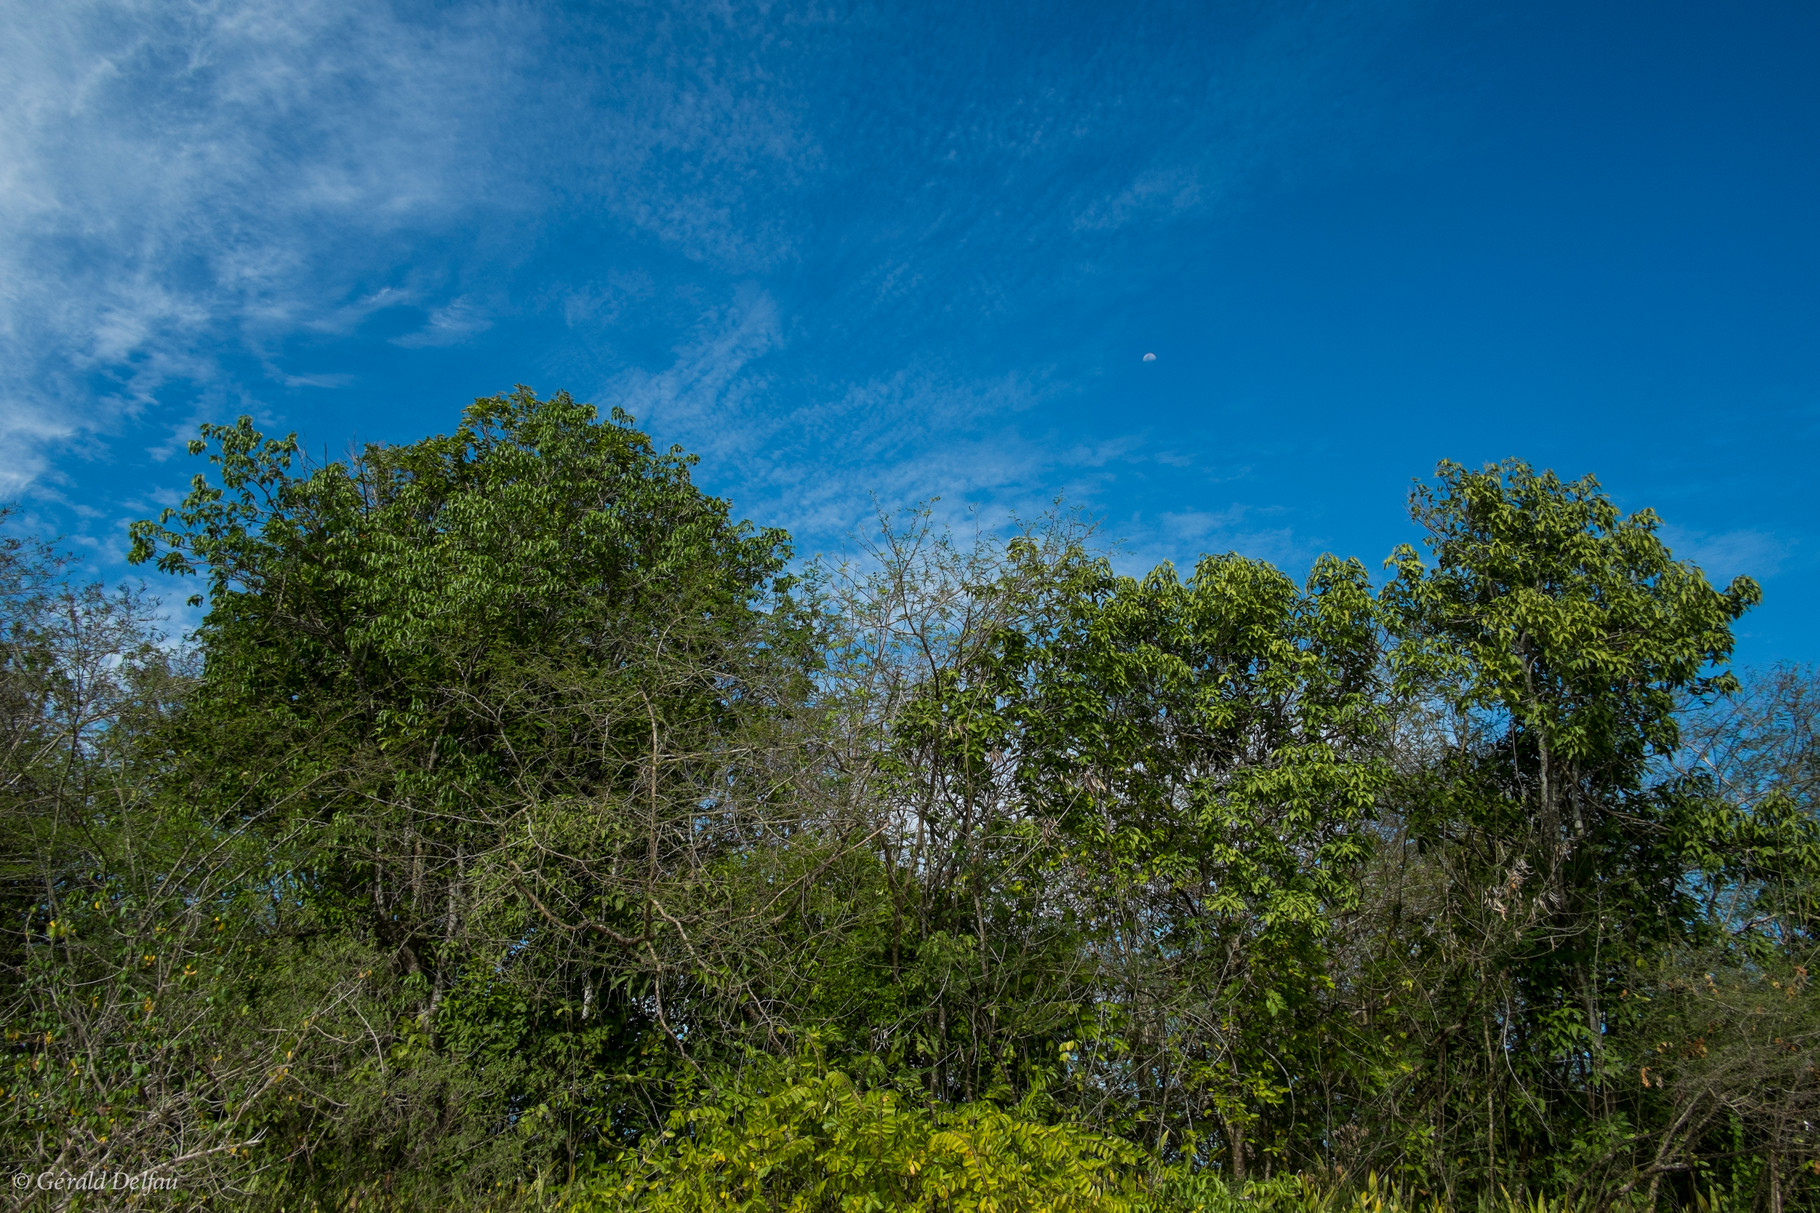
(520, 829)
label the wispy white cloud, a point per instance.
(1723, 555)
(181, 176)
(817, 214)
(709, 387)
(450, 324)
(1181, 537)
(818, 467)
(181, 182)
(1157, 193)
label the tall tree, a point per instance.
(512, 686)
(1552, 636)
(1210, 750)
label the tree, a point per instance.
(1551, 639)
(512, 689)
(520, 821)
(1209, 749)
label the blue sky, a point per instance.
(847, 250)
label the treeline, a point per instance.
(518, 826)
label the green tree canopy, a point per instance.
(522, 829)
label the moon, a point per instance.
(1149, 357)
